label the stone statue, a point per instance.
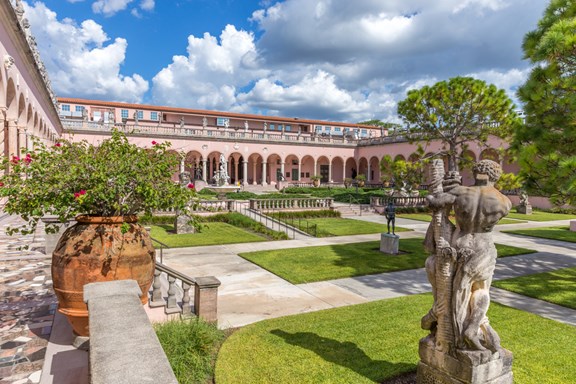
(524, 207)
(246, 126)
(265, 127)
(204, 122)
(390, 213)
(460, 268)
(182, 122)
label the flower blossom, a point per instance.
(28, 159)
(154, 142)
(58, 144)
(78, 194)
(190, 185)
(15, 160)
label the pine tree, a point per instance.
(546, 144)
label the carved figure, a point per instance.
(463, 257)
(390, 213)
(524, 198)
(246, 126)
(181, 122)
(204, 122)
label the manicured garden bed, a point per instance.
(540, 216)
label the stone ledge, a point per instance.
(124, 348)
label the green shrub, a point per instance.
(243, 195)
(207, 192)
(306, 214)
(191, 347)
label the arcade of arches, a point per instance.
(265, 169)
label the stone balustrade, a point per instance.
(409, 201)
(123, 345)
(291, 204)
(198, 132)
(179, 285)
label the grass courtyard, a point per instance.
(319, 263)
(372, 342)
(553, 233)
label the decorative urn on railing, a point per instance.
(104, 187)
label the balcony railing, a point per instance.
(291, 204)
(199, 132)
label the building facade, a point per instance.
(28, 107)
(258, 149)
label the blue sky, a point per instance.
(324, 59)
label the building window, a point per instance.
(66, 107)
(222, 121)
(337, 131)
(318, 128)
(279, 127)
(287, 128)
(79, 108)
(140, 115)
(154, 116)
(124, 113)
(364, 133)
(272, 127)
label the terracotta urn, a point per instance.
(99, 249)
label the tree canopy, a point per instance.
(546, 144)
(457, 112)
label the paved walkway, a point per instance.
(248, 293)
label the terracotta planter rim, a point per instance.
(92, 219)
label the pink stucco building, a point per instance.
(258, 149)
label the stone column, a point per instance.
(236, 164)
(254, 174)
(3, 132)
(204, 171)
(12, 138)
(344, 170)
(264, 171)
(299, 170)
(245, 165)
(330, 171)
(315, 167)
(282, 166)
(368, 178)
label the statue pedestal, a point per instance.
(181, 225)
(524, 209)
(389, 243)
(468, 367)
(573, 225)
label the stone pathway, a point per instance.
(27, 306)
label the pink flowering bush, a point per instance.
(115, 178)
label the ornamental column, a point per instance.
(282, 170)
(299, 170)
(330, 170)
(264, 171)
(236, 164)
(315, 167)
(254, 174)
(245, 179)
(12, 138)
(204, 170)
(368, 179)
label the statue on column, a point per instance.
(460, 269)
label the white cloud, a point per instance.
(81, 59)
(147, 5)
(110, 7)
(209, 76)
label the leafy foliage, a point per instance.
(456, 112)
(546, 143)
(115, 178)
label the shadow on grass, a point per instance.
(345, 354)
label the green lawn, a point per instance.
(336, 226)
(540, 216)
(558, 287)
(212, 234)
(372, 342)
(427, 217)
(553, 233)
(309, 264)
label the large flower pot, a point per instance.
(99, 249)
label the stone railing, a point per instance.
(123, 345)
(204, 206)
(291, 204)
(179, 285)
(380, 201)
(199, 132)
